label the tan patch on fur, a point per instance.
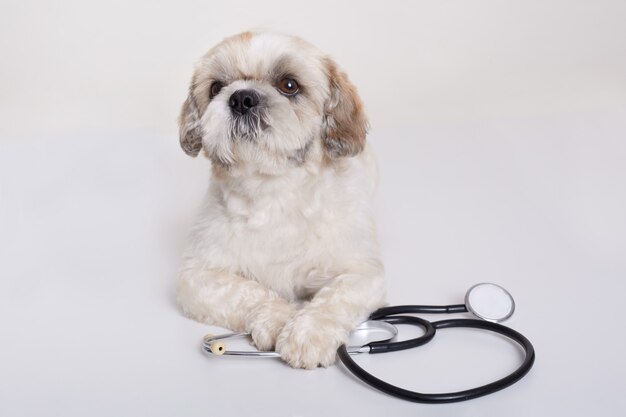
(244, 36)
(190, 133)
(345, 121)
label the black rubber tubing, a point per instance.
(429, 333)
(415, 309)
(447, 397)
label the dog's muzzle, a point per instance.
(247, 114)
(243, 102)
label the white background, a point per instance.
(501, 134)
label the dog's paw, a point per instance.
(267, 321)
(310, 340)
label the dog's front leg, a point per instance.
(228, 300)
(312, 337)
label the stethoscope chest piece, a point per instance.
(490, 302)
(368, 332)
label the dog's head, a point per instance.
(268, 100)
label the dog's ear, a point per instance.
(345, 124)
(189, 128)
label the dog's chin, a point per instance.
(251, 156)
(246, 152)
(253, 143)
(247, 127)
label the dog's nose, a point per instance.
(243, 100)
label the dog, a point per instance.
(285, 245)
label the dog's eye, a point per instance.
(215, 89)
(288, 87)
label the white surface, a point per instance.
(89, 243)
(500, 129)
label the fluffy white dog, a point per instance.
(285, 246)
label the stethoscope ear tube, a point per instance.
(429, 333)
(418, 309)
(449, 397)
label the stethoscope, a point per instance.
(489, 302)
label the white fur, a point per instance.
(286, 251)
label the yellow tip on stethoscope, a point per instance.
(217, 348)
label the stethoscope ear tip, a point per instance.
(218, 348)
